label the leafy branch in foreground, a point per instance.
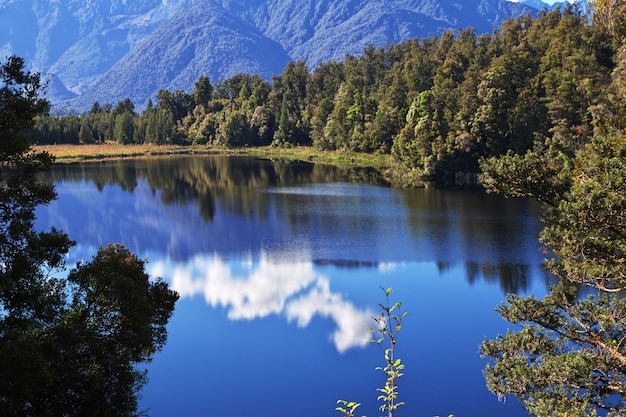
(388, 325)
(385, 335)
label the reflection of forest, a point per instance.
(491, 237)
(513, 278)
(233, 181)
(495, 238)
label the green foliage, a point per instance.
(20, 101)
(347, 407)
(202, 92)
(124, 128)
(567, 360)
(569, 357)
(438, 105)
(385, 335)
(68, 346)
(610, 16)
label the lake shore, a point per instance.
(100, 152)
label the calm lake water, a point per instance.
(279, 267)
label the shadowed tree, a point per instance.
(569, 358)
(68, 346)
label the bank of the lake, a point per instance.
(99, 152)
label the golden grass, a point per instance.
(73, 153)
(68, 153)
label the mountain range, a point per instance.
(108, 50)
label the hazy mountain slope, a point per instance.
(203, 39)
(319, 30)
(103, 48)
(78, 41)
(374, 25)
(18, 29)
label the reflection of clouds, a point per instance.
(388, 267)
(350, 321)
(250, 290)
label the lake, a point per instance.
(280, 268)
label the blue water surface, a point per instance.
(280, 270)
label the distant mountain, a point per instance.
(76, 42)
(202, 39)
(107, 50)
(320, 30)
(539, 5)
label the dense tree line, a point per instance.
(437, 104)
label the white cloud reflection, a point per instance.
(251, 290)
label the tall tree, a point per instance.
(569, 358)
(610, 15)
(124, 128)
(291, 89)
(202, 91)
(67, 346)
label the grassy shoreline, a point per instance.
(100, 152)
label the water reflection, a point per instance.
(252, 290)
(189, 206)
(252, 245)
(204, 180)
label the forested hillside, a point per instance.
(438, 104)
(101, 50)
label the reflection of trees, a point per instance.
(336, 224)
(101, 174)
(233, 182)
(513, 278)
(488, 233)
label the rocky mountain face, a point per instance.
(107, 50)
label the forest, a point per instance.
(536, 109)
(437, 105)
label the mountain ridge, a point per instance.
(175, 65)
(101, 50)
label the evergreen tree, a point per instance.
(569, 357)
(85, 134)
(67, 346)
(202, 92)
(124, 128)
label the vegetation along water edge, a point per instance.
(97, 152)
(434, 106)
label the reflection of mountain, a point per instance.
(234, 207)
(250, 290)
